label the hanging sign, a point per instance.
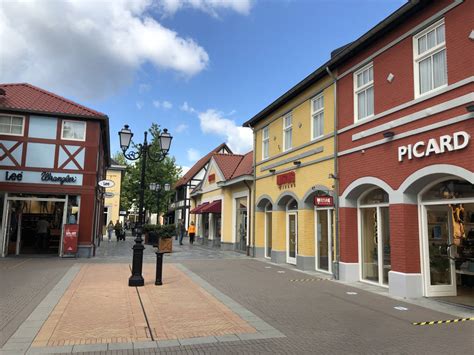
(323, 201)
(106, 183)
(443, 144)
(71, 232)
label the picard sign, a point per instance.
(443, 144)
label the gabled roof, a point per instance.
(234, 165)
(201, 163)
(28, 98)
(245, 166)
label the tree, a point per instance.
(165, 171)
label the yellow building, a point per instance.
(112, 196)
(294, 168)
(220, 204)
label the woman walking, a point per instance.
(110, 230)
(192, 232)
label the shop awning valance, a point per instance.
(213, 207)
(198, 208)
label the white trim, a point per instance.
(73, 139)
(287, 128)
(408, 104)
(290, 260)
(265, 140)
(317, 112)
(22, 125)
(367, 180)
(330, 212)
(235, 196)
(364, 88)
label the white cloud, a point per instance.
(167, 105)
(211, 7)
(91, 49)
(156, 103)
(184, 169)
(193, 155)
(181, 128)
(140, 104)
(186, 108)
(238, 138)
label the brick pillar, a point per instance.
(349, 236)
(404, 238)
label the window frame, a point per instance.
(265, 140)
(317, 112)
(73, 139)
(287, 128)
(364, 87)
(23, 120)
(418, 58)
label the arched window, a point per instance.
(449, 189)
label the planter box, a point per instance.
(166, 245)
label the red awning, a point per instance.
(213, 207)
(198, 208)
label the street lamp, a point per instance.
(142, 151)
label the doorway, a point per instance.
(291, 232)
(323, 244)
(241, 225)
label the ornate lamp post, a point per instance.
(142, 151)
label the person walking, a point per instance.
(192, 232)
(181, 230)
(110, 230)
(118, 230)
(42, 227)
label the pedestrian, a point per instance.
(192, 232)
(118, 230)
(181, 230)
(110, 229)
(42, 227)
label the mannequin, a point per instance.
(458, 223)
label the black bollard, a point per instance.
(159, 268)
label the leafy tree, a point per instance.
(165, 171)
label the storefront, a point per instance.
(50, 165)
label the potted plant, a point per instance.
(150, 232)
(165, 237)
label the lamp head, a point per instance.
(165, 141)
(125, 136)
(167, 187)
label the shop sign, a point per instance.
(123, 213)
(286, 180)
(45, 177)
(71, 232)
(323, 201)
(109, 194)
(443, 144)
(211, 178)
(106, 183)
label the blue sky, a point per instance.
(226, 61)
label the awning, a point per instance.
(213, 207)
(198, 208)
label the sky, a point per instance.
(199, 68)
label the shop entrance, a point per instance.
(448, 241)
(324, 233)
(291, 232)
(33, 225)
(241, 225)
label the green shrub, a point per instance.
(166, 231)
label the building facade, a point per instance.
(53, 152)
(221, 203)
(112, 195)
(294, 167)
(405, 153)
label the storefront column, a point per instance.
(348, 266)
(405, 276)
(279, 236)
(260, 234)
(86, 226)
(305, 256)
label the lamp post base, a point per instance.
(136, 281)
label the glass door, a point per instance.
(292, 238)
(438, 237)
(324, 223)
(268, 234)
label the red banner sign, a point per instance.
(211, 178)
(286, 178)
(322, 201)
(71, 232)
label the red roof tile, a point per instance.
(245, 167)
(201, 163)
(29, 98)
(234, 165)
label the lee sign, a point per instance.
(106, 183)
(446, 143)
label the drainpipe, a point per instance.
(253, 196)
(336, 180)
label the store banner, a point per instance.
(71, 232)
(323, 201)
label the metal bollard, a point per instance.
(159, 268)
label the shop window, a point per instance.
(364, 92)
(265, 142)
(287, 131)
(449, 189)
(73, 130)
(317, 116)
(11, 125)
(73, 209)
(241, 222)
(430, 59)
(375, 196)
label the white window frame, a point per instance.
(266, 141)
(317, 112)
(358, 90)
(417, 58)
(22, 126)
(286, 129)
(72, 139)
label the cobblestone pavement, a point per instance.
(24, 282)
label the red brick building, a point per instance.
(405, 107)
(53, 152)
